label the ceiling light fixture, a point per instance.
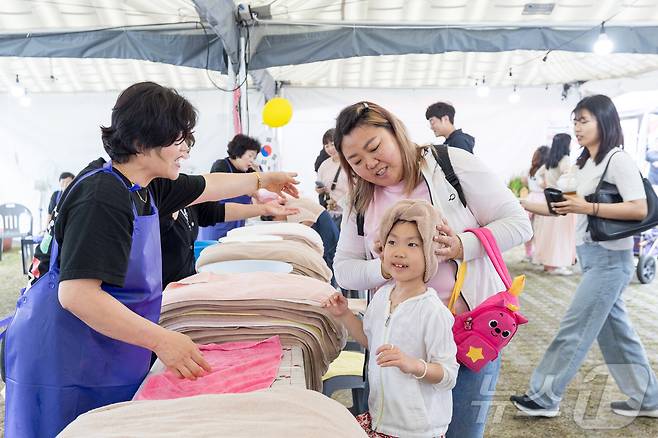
(603, 45)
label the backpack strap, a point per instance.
(443, 159)
(456, 290)
(360, 220)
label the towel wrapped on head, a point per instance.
(426, 217)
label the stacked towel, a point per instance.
(214, 308)
(289, 231)
(275, 413)
(304, 258)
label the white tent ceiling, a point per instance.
(445, 70)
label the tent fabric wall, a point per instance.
(188, 46)
(284, 44)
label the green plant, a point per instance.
(516, 184)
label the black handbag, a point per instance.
(602, 229)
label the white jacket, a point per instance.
(421, 327)
(489, 203)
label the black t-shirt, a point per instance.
(223, 165)
(95, 221)
(177, 238)
(53, 202)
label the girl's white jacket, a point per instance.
(421, 327)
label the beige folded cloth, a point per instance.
(309, 210)
(426, 217)
(282, 412)
(304, 260)
(289, 231)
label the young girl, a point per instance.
(412, 368)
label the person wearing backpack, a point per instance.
(383, 167)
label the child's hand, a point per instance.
(389, 355)
(336, 304)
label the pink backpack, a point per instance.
(481, 333)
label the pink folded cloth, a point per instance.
(237, 367)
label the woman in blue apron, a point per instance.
(242, 151)
(82, 335)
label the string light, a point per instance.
(17, 89)
(603, 45)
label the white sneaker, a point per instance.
(561, 271)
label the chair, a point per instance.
(17, 222)
(346, 372)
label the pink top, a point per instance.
(237, 367)
(383, 199)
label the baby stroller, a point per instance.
(646, 249)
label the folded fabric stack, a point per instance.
(215, 308)
(289, 231)
(305, 259)
(275, 413)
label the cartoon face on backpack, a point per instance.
(498, 325)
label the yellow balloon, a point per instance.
(277, 112)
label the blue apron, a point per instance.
(57, 367)
(220, 229)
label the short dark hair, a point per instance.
(559, 149)
(65, 175)
(328, 136)
(609, 126)
(440, 109)
(241, 144)
(147, 116)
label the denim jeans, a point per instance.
(597, 312)
(471, 398)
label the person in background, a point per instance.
(331, 184)
(441, 116)
(179, 231)
(242, 152)
(536, 194)
(384, 166)
(597, 311)
(652, 159)
(555, 246)
(327, 137)
(64, 180)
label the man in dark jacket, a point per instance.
(441, 116)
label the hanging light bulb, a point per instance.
(483, 88)
(603, 45)
(16, 89)
(514, 96)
